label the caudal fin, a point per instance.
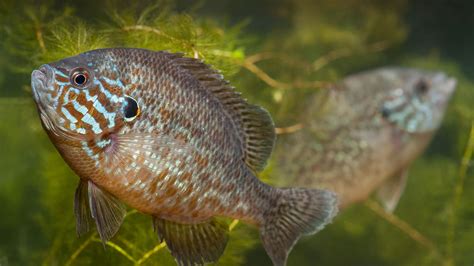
(298, 212)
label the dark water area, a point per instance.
(276, 53)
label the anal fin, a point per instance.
(193, 244)
(390, 192)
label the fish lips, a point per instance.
(448, 84)
(41, 85)
(41, 81)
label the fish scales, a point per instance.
(169, 137)
(173, 118)
(168, 121)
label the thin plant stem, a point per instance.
(117, 248)
(341, 53)
(78, 251)
(288, 130)
(150, 29)
(265, 77)
(458, 192)
(148, 254)
(402, 225)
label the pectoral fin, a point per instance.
(107, 211)
(390, 192)
(193, 244)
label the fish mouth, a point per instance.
(448, 84)
(41, 87)
(40, 81)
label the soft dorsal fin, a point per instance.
(253, 122)
(193, 244)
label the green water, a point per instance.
(298, 44)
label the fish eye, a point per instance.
(422, 86)
(130, 109)
(385, 112)
(79, 77)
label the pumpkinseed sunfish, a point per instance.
(168, 136)
(363, 134)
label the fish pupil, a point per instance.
(131, 108)
(80, 79)
(422, 87)
(385, 112)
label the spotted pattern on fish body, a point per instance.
(365, 132)
(168, 136)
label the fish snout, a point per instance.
(447, 84)
(41, 80)
(450, 86)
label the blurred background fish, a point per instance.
(363, 133)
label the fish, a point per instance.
(361, 135)
(168, 136)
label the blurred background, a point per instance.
(275, 52)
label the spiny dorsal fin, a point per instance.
(254, 122)
(193, 244)
(107, 211)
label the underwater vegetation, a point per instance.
(276, 53)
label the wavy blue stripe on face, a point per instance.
(62, 83)
(60, 91)
(421, 107)
(400, 117)
(80, 108)
(397, 102)
(89, 152)
(68, 115)
(66, 97)
(59, 73)
(89, 97)
(87, 118)
(413, 123)
(112, 97)
(110, 117)
(117, 82)
(97, 105)
(103, 143)
(72, 121)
